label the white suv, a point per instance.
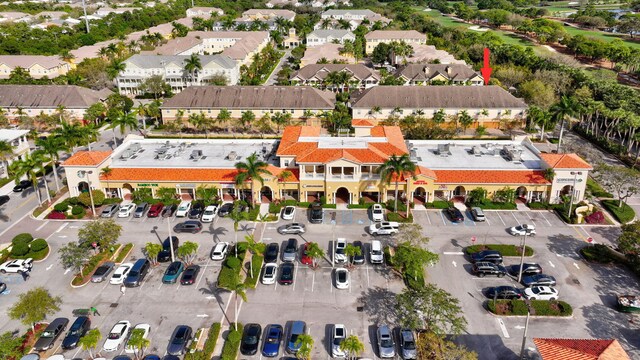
(338, 335)
(13, 266)
(183, 209)
(339, 255)
(384, 228)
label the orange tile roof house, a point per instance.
(580, 349)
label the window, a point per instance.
(286, 163)
(320, 169)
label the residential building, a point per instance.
(488, 105)
(14, 16)
(583, 349)
(376, 37)
(355, 15)
(204, 12)
(38, 66)
(292, 40)
(361, 76)
(325, 53)
(450, 74)
(102, 12)
(293, 100)
(267, 15)
(139, 68)
(31, 100)
(280, 3)
(426, 54)
(321, 37)
(18, 139)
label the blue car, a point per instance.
(173, 272)
(271, 345)
(297, 328)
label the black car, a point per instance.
(50, 334)
(250, 339)
(290, 250)
(225, 209)
(190, 275)
(22, 185)
(168, 210)
(538, 280)
(151, 357)
(165, 254)
(504, 292)
(190, 226)
(454, 214)
(527, 269)
(4, 199)
(358, 259)
(78, 329)
(487, 256)
(316, 215)
(271, 254)
(179, 340)
(286, 274)
(482, 269)
(196, 210)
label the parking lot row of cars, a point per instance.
(189, 209)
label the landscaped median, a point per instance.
(232, 343)
(623, 214)
(505, 250)
(209, 345)
(24, 246)
(539, 307)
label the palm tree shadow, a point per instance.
(4, 217)
(217, 232)
(246, 228)
(211, 288)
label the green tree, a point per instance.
(411, 259)
(74, 256)
(123, 121)
(246, 119)
(151, 250)
(193, 65)
(188, 252)
(237, 216)
(305, 346)
(254, 248)
(477, 196)
(350, 251)
(29, 166)
(621, 180)
(465, 120)
(315, 252)
(562, 110)
(138, 342)
(9, 345)
(6, 153)
(393, 169)
(411, 233)
(433, 346)
(115, 68)
(34, 306)
(96, 112)
(206, 194)
(430, 308)
(223, 116)
(71, 135)
(252, 169)
(439, 116)
(155, 85)
(238, 288)
(352, 346)
(505, 195)
(537, 93)
(106, 172)
(104, 232)
(52, 146)
(90, 340)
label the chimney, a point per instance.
(449, 70)
(426, 70)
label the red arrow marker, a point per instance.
(486, 70)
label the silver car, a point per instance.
(408, 344)
(102, 272)
(386, 346)
(110, 210)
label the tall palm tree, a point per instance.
(6, 153)
(89, 133)
(251, 169)
(564, 108)
(29, 166)
(282, 177)
(71, 134)
(123, 121)
(238, 288)
(192, 65)
(394, 168)
(352, 346)
(115, 68)
(52, 146)
(106, 172)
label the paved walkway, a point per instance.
(271, 80)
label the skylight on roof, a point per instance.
(326, 142)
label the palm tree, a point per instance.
(106, 172)
(192, 65)
(115, 68)
(439, 116)
(541, 117)
(282, 178)
(71, 134)
(251, 169)
(305, 346)
(90, 340)
(52, 146)
(564, 108)
(352, 346)
(238, 288)
(6, 153)
(29, 166)
(315, 252)
(223, 116)
(325, 24)
(89, 133)
(375, 110)
(394, 168)
(123, 121)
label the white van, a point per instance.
(376, 255)
(183, 209)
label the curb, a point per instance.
(78, 286)
(116, 255)
(46, 257)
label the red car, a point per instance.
(306, 259)
(155, 210)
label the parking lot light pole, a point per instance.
(524, 248)
(333, 236)
(526, 328)
(573, 190)
(93, 206)
(173, 257)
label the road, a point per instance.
(274, 75)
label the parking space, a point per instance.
(493, 218)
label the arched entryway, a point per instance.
(419, 196)
(566, 190)
(83, 186)
(343, 196)
(459, 194)
(266, 195)
(127, 189)
(521, 194)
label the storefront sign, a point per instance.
(420, 182)
(313, 186)
(566, 180)
(147, 185)
(442, 187)
(371, 187)
(228, 186)
(187, 185)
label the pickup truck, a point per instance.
(384, 228)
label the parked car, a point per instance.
(290, 250)
(155, 210)
(225, 209)
(169, 210)
(487, 256)
(286, 274)
(209, 213)
(339, 255)
(50, 334)
(120, 274)
(527, 269)
(152, 357)
(384, 228)
(179, 340)
(102, 272)
(342, 278)
(4, 199)
(141, 209)
(145, 328)
(173, 272)
(165, 254)
(407, 344)
(110, 210)
(338, 334)
(269, 273)
(271, 345)
(3, 287)
(358, 259)
(297, 328)
(541, 293)
(250, 339)
(538, 280)
(386, 345)
(13, 266)
(271, 253)
(482, 269)
(292, 229)
(219, 251)
(521, 230)
(190, 226)
(22, 185)
(137, 273)
(196, 210)
(504, 292)
(305, 258)
(454, 214)
(126, 210)
(118, 334)
(190, 275)
(288, 213)
(78, 329)
(376, 256)
(183, 209)
(478, 214)
(316, 215)
(377, 212)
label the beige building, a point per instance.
(266, 15)
(427, 54)
(204, 12)
(18, 139)
(360, 76)
(449, 74)
(376, 37)
(321, 37)
(38, 66)
(326, 53)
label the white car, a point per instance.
(146, 328)
(339, 256)
(13, 266)
(377, 212)
(117, 335)
(342, 278)
(120, 274)
(219, 251)
(288, 213)
(384, 228)
(183, 209)
(269, 273)
(522, 230)
(541, 293)
(209, 214)
(338, 335)
(126, 210)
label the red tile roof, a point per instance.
(185, 174)
(86, 158)
(363, 123)
(565, 161)
(516, 177)
(421, 170)
(580, 349)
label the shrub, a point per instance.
(61, 207)
(328, 206)
(538, 205)
(402, 206)
(20, 249)
(596, 190)
(304, 204)
(623, 214)
(256, 261)
(540, 307)
(73, 200)
(233, 263)
(114, 200)
(360, 206)
(56, 215)
(490, 205)
(438, 205)
(275, 208)
(38, 244)
(399, 218)
(22, 238)
(597, 253)
(85, 199)
(232, 344)
(77, 210)
(80, 215)
(505, 250)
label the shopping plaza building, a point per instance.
(306, 164)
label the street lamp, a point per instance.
(81, 174)
(523, 250)
(573, 190)
(530, 310)
(173, 257)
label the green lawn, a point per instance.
(600, 35)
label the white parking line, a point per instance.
(443, 220)
(428, 218)
(514, 216)
(500, 217)
(503, 328)
(545, 219)
(43, 225)
(62, 227)
(313, 280)
(486, 219)
(368, 282)
(202, 274)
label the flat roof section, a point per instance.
(474, 155)
(185, 153)
(331, 142)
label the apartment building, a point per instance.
(204, 12)
(38, 66)
(360, 76)
(376, 37)
(449, 74)
(18, 139)
(321, 37)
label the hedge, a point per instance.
(399, 218)
(19, 249)
(538, 206)
(232, 344)
(505, 250)
(256, 261)
(490, 205)
(232, 266)
(596, 190)
(329, 206)
(623, 214)
(540, 307)
(360, 206)
(123, 253)
(598, 253)
(209, 345)
(437, 205)
(90, 267)
(22, 238)
(38, 244)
